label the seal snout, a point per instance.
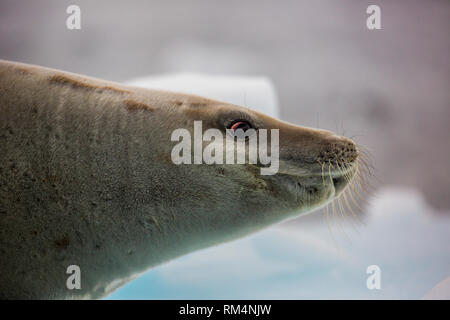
(338, 150)
(308, 151)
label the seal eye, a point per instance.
(240, 124)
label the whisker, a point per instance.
(357, 174)
(343, 214)
(343, 168)
(333, 206)
(344, 195)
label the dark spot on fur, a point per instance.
(179, 103)
(114, 89)
(198, 104)
(22, 70)
(164, 159)
(63, 242)
(63, 80)
(52, 178)
(312, 190)
(135, 106)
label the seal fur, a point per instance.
(87, 180)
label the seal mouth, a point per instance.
(318, 178)
(339, 184)
(341, 178)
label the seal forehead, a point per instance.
(198, 108)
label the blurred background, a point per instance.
(389, 89)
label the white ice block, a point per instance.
(257, 93)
